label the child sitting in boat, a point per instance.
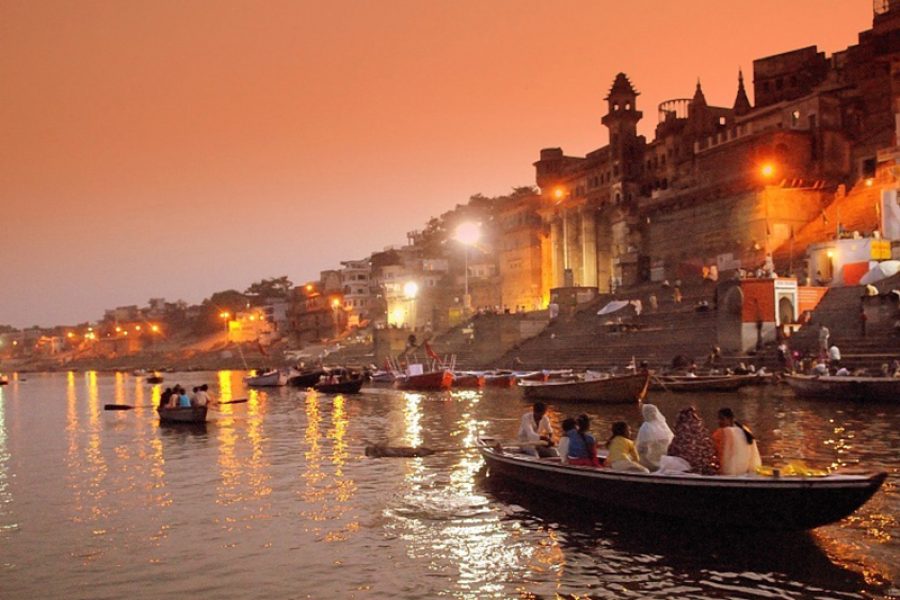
(582, 449)
(623, 455)
(568, 426)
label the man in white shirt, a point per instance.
(834, 355)
(535, 428)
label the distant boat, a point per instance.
(743, 501)
(500, 380)
(425, 382)
(4, 380)
(832, 387)
(155, 378)
(306, 379)
(468, 380)
(707, 383)
(614, 389)
(351, 386)
(270, 379)
(188, 414)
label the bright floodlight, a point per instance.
(767, 170)
(559, 193)
(410, 289)
(468, 233)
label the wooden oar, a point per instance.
(661, 382)
(130, 407)
(384, 451)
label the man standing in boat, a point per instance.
(534, 429)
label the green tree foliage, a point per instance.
(274, 287)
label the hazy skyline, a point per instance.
(176, 149)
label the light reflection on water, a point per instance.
(279, 486)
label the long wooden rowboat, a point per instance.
(827, 387)
(426, 382)
(190, 414)
(344, 387)
(468, 380)
(706, 383)
(306, 379)
(500, 380)
(747, 501)
(271, 379)
(616, 389)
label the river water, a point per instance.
(275, 499)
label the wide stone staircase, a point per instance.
(588, 340)
(839, 311)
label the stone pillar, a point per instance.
(603, 249)
(556, 252)
(588, 247)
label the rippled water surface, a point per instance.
(275, 499)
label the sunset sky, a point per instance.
(163, 148)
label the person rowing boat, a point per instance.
(535, 427)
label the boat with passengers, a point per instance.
(752, 501)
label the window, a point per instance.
(628, 106)
(721, 120)
(795, 118)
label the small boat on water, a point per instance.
(416, 380)
(383, 377)
(533, 376)
(748, 501)
(500, 380)
(306, 379)
(269, 379)
(4, 380)
(154, 379)
(833, 387)
(351, 386)
(613, 389)
(707, 383)
(468, 380)
(190, 415)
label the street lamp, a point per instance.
(224, 315)
(468, 235)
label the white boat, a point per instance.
(268, 379)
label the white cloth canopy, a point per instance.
(882, 270)
(613, 307)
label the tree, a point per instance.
(228, 301)
(274, 287)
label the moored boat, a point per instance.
(425, 382)
(615, 389)
(468, 380)
(707, 383)
(154, 379)
(351, 386)
(832, 387)
(747, 501)
(306, 379)
(4, 380)
(269, 379)
(190, 414)
(500, 380)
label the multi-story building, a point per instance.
(356, 282)
(722, 185)
(522, 249)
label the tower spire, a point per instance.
(741, 102)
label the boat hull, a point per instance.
(306, 380)
(507, 380)
(876, 389)
(344, 387)
(277, 379)
(193, 415)
(707, 384)
(426, 382)
(467, 381)
(784, 504)
(612, 390)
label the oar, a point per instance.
(383, 451)
(660, 382)
(130, 407)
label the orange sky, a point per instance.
(173, 149)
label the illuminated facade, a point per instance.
(726, 186)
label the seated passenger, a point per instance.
(165, 398)
(653, 437)
(183, 400)
(691, 446)
(534, 428)
(582, 445)
(735, 446)
(568, 425)
(622, 454)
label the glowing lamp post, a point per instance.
(468, 235)
(224, 315)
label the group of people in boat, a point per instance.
(177, 397)
(729, 450)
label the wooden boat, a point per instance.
(351, 386)
(4, 380)
(533, 376)
(306, 379)
(191, 415)
(425, 382)
(832, 387)
(382, 377)
(707, 383)
(745, 501)
(154, 379)
(500, 380)
(615, 389)
(270, 379)
(468, 380)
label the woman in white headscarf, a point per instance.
(653, 437)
